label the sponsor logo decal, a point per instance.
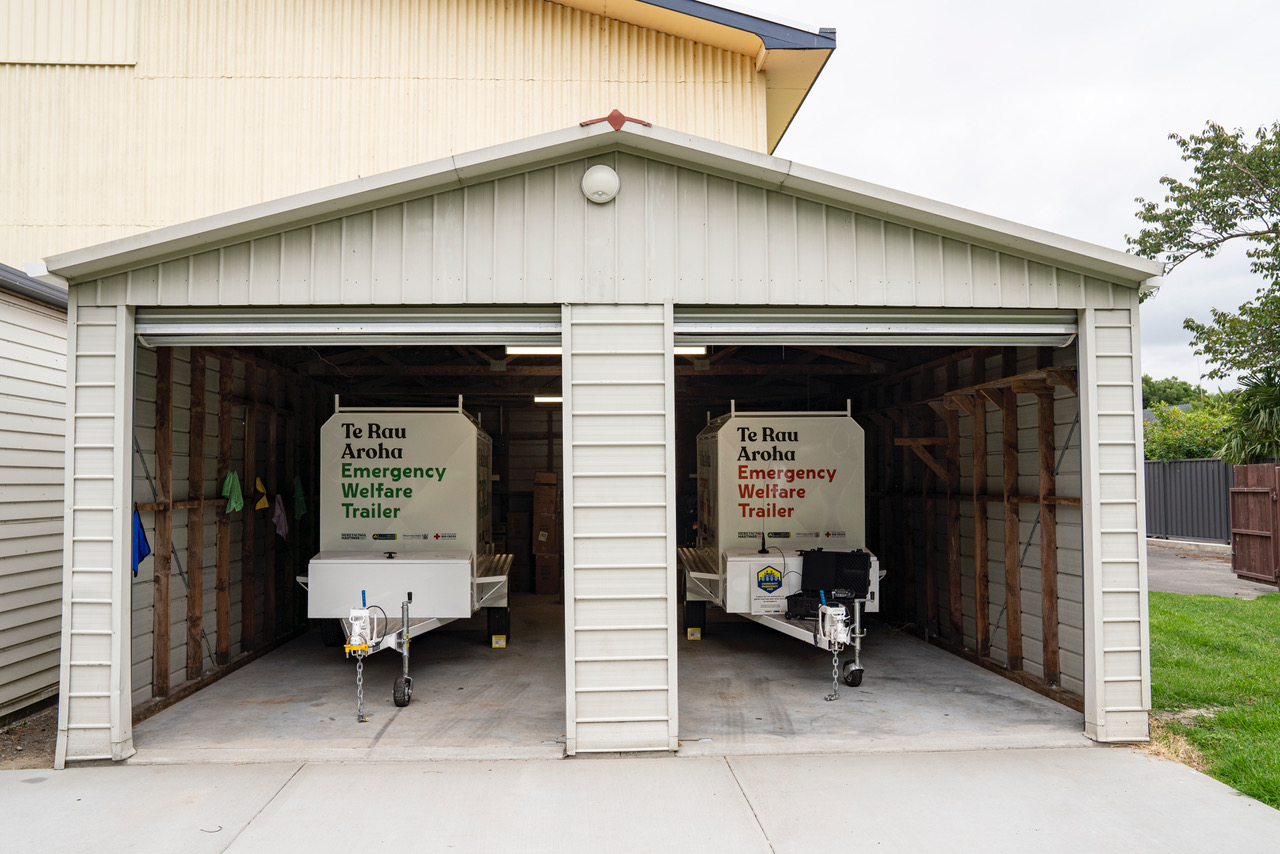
(769, 579)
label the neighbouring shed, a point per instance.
(33, 400)
(967, 344)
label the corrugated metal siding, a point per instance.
(101, 32)
(671, 234)
(340, 90)
(1189, 499)
(1118, 687)
(620, 625)
(93, 715)
(33, 401)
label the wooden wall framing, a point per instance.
(278, 410)
(919, 412)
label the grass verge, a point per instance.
(1215, 685)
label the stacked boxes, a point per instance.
(548, 532)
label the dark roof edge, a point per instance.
(774, 35)
(18, 282)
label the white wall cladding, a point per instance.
(342, 89)
(1117, 663)
(672, 234)
(68, 32)
(620, 620)
(33, 402)
(94, 719)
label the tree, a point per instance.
(1254, 432)
(1176, 434)
(1172, 391)
(1232, 195)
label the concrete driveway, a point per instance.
(1197, 568)
(1050, 800)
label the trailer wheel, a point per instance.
(402, 691)
(499, 626)
(695, 615)
(852, 676)
(331, 633)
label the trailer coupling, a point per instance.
(840, 629)
(363, 639)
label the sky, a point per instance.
(1052, 115)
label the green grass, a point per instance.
(1222, 655)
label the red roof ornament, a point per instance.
(616, 120)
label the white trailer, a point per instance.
(773, 487)
(405, 530)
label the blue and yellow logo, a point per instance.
(769, 579)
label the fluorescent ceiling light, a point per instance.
(541, 398)
(528, 350)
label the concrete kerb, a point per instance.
(1191, 546)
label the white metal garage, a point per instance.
(704, 242)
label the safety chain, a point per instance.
(360, 715)
(835, 673)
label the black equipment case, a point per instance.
(843, 577)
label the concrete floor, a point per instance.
(744, 689)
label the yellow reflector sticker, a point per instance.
(499, 641)
(695, 634)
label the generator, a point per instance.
(781, 536)
(405, 533)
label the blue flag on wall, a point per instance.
(141, 548)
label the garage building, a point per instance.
(956, 337)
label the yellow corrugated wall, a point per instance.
(233, 102)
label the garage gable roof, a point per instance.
(591, 139)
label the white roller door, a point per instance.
(306, 325)
(702, 325)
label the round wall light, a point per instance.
(600, 184)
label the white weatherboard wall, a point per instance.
(620, 533)
(33, 402)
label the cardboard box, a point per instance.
(546, 498)
(547, 574)
(548, 534)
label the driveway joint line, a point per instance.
(274, 795)
(746, 798)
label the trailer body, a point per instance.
(770, 486)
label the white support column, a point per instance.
(1117, 643)
(94, 707)
(619, 493)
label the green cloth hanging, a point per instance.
(299, 499)
(231, 492)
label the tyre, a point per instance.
(853, 676)
(331, 633)
(402, 691)
(695, 615)
(499, 623)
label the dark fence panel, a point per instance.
(1189, 500)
